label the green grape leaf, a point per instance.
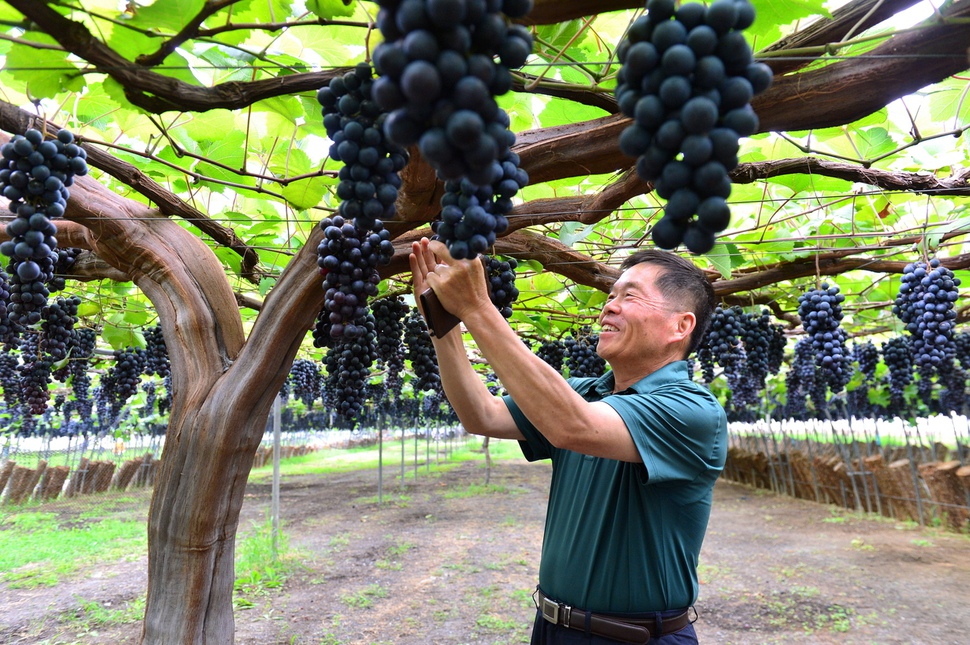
(306, 193)
(331, 8)
(164, 15)
(45, 73)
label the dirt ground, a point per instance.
(447, 561)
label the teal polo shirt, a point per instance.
(625, 537)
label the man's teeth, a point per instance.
(608, 328)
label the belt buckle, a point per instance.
(550, 611)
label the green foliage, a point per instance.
(259, 566)
(38, 548)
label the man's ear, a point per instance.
(686, 321)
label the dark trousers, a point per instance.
(545, 633)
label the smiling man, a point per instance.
(635, 453)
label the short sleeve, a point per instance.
(679, 430)
(535, 446)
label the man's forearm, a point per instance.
(538, 389)
(479, 411)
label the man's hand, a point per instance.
(460, 285)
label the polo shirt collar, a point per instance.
(669, 373)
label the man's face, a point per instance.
(637, 324)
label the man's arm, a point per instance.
(566, 419)
(480, 411)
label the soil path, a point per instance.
(447, 561)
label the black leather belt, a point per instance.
(627, 630)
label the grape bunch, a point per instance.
(501, 281)
(35, 375)
(439, 78)
(420, 351)
(580, 354)
(897, 354)
(34, 176)
(81, 349)
(57, 327)
(961, 346)
(305, 379)
(122, 379)
(924, 304)
(553, 352)
(724, 341)
(62, 267)
(157, 361)
(389, 316)
(687, 80)
(800, 380)
(755, 336)
(867, 356)
(368, 180)
(8, 330)
(348, 365)
(348, 258)
(9, 379)
(472, 215)
(820, 311)
(776, 348)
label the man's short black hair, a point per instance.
(682, 283)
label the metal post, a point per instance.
(380, 458)
(811, 463)
(276, 477)
(915, 474)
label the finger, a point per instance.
(441, 251)
(425, 260)
(429, 257)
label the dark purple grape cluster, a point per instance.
(866, 356)
(8, 330)
(9, 379)
(57, 327)
(897, 354)
(800, 380)
(151, 397)
(756, 334)
(924, 304)
(420, 351)
(501, 282)
(756, 337)
(441, 64)
(348, 258)
(389, 314)
(122, 379)
(776, 348)
(35, 375)
(62, 267)
(553, 352)
(961, 348)
(820, 311)
(157, 362)
(580, 353)
(305, 380)
(472, 215)
(724, 340)
(34, 176)
(687, 80)
(369, 178)
(82, 345)
(348, 365)
(705, 359)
